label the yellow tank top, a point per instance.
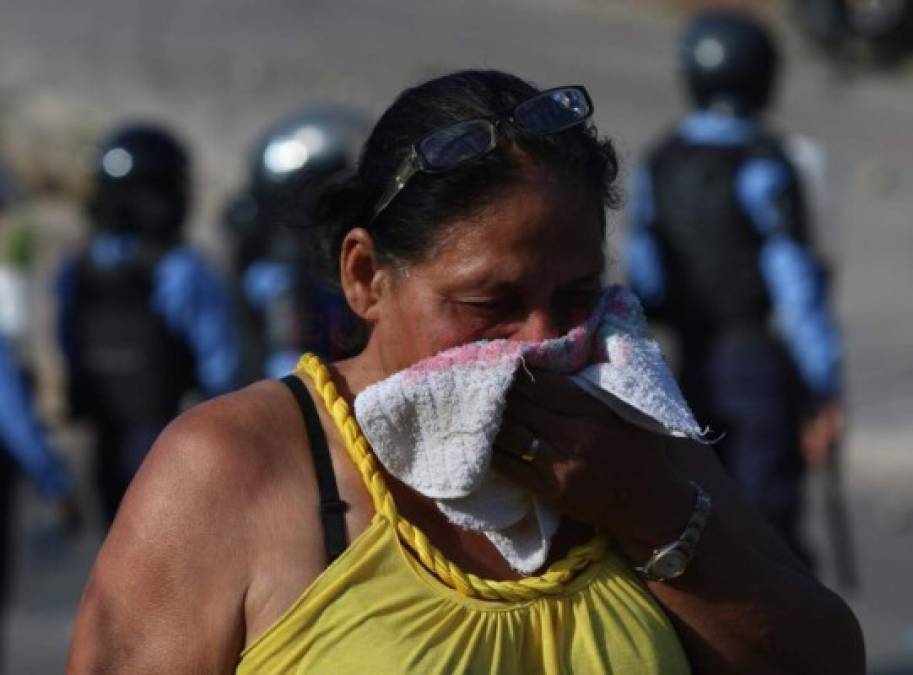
(392, 604)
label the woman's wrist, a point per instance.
(656, 518)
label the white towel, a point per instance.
(433, 425)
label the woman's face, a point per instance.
(527, 267)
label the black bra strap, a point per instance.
(332, 508)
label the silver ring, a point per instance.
(529, 455)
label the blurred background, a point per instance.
(219, 72)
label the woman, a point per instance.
(476, 213)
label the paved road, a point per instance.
(221, 69)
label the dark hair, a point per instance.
(408, 227)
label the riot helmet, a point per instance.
(730, 62)
(141, 181)
(267, 221)
(291, 161)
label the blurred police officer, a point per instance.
(720, 249)
(286, 307)
(143, 319)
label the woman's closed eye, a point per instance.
(485, 303)
(489, 316)
(492, 307)
(499, 316)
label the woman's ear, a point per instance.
(362, 278)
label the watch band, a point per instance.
(678, 554)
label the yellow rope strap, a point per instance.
(548, 583)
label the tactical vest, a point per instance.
(709, 246)
(129, 366)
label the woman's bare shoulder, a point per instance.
(231, 444)
(180, 552)
(213, 466)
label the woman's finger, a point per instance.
(524, 443)
(556, 393)
(534, 434)
(513, 436)
(526, 474)
(561, 432)
(527, 411)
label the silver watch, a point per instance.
(671, 560)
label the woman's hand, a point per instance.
(582, 458)
(744, 604)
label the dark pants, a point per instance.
(745, 386)
(7, 483)
(7, 473)
(120, 449)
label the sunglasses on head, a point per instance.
(549, 112)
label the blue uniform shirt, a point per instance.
(187, 294)
(266, 283)
(795, 280)
(21, 434)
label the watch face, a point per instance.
(670, 565)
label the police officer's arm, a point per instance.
(769, 190)
(21, 433)
(643, 264)
(196, 305)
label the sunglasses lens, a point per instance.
(453, 145)
(553, 111)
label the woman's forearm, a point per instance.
(745, 604)
(738, 610)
